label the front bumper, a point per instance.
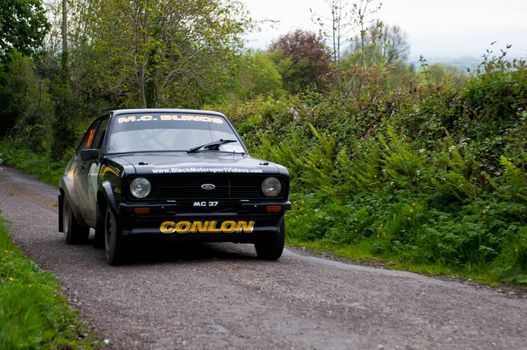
(232, 222)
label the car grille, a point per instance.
(166, 187)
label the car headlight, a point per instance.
(140, 187)
(271, 187)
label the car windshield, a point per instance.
(169, 132)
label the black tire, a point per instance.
(113, 239)
(74, 232)
(272, 246)
(98, 239)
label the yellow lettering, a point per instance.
(183, 226)
(131, 118)
(194, 118)
(228, 226)
(207, 226)
(198, 226)
(245, 227)
(168, 227)
(212, 227)
(146, 118)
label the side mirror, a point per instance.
(89, 154)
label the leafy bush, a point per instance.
(47, 169)
(434, 178)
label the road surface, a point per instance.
(219, 296)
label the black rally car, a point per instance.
(170, 172)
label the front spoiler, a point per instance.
(202, 226)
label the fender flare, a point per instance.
(107, 192)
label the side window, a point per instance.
(87, 140)
(99, 135)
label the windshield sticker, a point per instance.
(170, 117)
(206, 170)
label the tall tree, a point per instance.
(303, 60)
(161, 53)
(386, 42)
(345, 19)
(64, 32)
(59, 68)
(394, 43)
(23, 26)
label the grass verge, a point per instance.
(361, 252)
(34, 312)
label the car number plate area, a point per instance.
(207, 226)
(207, 206)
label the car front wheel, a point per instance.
(113, 239)
(271, 247)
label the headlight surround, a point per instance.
(140, 187)
(271, 187)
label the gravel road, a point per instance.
(217, 296)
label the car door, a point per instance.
(93, 173)
(84, 167)
(74, 169)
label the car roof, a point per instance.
(165, 110)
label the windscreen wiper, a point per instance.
(214, 145)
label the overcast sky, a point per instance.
(435, 28)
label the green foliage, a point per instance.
(514, 182)
(66, 108)
(46, 168)
(438, 74)
(420, 209)
(25, 103)
(257, 76)
(403, 178)
(33, 309)
(23, 26)
(160, 53)
(493, 97)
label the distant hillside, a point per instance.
(463, 63)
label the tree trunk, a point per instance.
(142, 85)
(64, 27)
